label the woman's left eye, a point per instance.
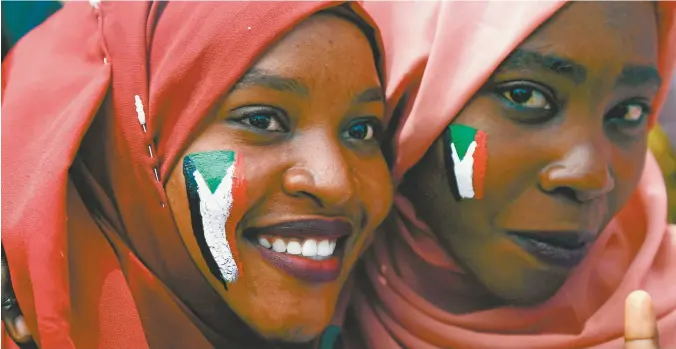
(527, 97)
(362, 130)
(631, 113)
(263, 122)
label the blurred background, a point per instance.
(662, 142)
(19, 17)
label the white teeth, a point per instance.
(324, 248)
(264, 242)
(307, 248)
(293, 247)
(310, 248)
(279, 246)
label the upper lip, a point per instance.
(563, 239)
(307, 228)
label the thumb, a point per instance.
(640, 324)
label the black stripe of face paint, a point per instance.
(196, 218)
(450, 165)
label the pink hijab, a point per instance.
(439, 54)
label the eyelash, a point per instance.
(550, 108)
(272, 115)
(374, 125)
(526, 86)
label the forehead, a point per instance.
(320, 48)
(603, 36)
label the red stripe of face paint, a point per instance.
(479, 168)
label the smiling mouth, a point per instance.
(310, 250)
(565, 249)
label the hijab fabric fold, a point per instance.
(438, 55)
(95, 257)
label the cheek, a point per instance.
(474, 155)
(627, 168)
(379, 191)
(207, 197)
(511, 164)
(500, 169)
(374, 191)
(512, 169)
(260, 178)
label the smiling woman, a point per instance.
(209, 185)
(308, 153)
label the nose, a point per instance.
(321, 174)
(582, 174)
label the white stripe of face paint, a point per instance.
(464, 170)
(215, 209)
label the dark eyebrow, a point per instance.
(258, 77)
(373, 94)
(521, 59)
(637, 75)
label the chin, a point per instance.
(278, 306)
(288, 319)
(535, 288)
(293, 333)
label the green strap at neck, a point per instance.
(330, 337)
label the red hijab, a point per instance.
(96, 259)
(440, 54)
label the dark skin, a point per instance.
(566, 122)
(306, 120)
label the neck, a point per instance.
(449, 290)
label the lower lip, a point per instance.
(551, 254)
(309, 270)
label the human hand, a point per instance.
(15, 324)
(640, 322)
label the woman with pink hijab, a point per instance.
(529, 208)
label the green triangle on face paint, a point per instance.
(213, 165)
(462, 136)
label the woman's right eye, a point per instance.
(526, 101)
(526, 96)
(266, 120)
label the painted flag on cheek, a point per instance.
(467, 149)
(216, 193)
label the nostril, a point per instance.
(317, 201)
(566, 192)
